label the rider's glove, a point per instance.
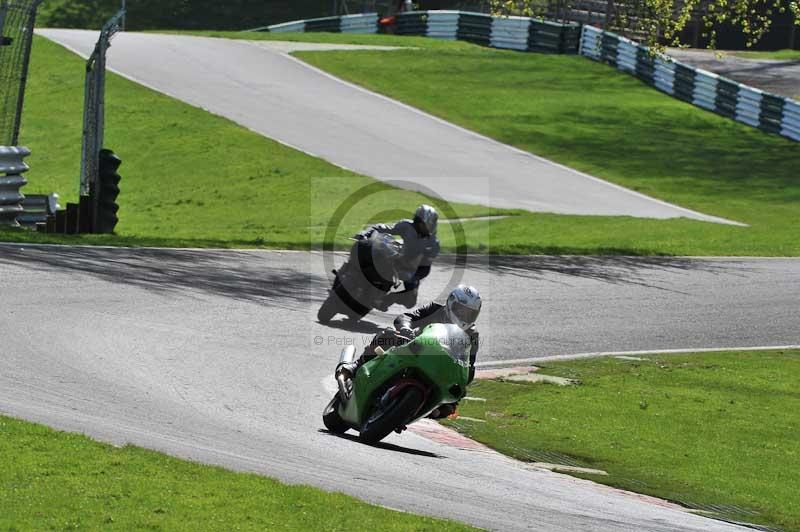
(406, 332)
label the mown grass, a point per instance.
(57, 481)
(783, 55)
(699, 429)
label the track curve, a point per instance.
(212, 355)
(272, 93)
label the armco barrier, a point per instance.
(707, 90)
(512, 33)
(12, 166)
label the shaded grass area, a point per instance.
(705, 429)
(53, 480)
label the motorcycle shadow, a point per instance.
(361, 326)
(384, 445)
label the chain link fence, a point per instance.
(17, 18)
(94, 105)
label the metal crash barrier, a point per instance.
(12, 166)
(748, 105)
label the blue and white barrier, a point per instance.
(707, 90)
(512, 33)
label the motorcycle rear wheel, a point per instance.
(330, 417)
(396, 415)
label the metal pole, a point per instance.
(124, 16)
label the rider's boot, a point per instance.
(444, 411)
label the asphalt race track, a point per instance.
(260, 87)
(215, 356)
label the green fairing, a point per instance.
(431, 364)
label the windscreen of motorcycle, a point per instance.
(454, 341)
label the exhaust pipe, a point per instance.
(348, 356)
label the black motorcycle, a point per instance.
(368, 280)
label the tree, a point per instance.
(180, 14)
(661, 21)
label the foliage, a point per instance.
(661, 21)
(180, 14)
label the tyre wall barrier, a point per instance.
(511, 33)
(745, 104)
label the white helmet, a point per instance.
(426, 218)
(463, 306)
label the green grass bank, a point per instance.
(57, 481)
(705, 429)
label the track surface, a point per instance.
(211, 355)
(258, 86)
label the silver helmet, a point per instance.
(426, 218)
(463, 306)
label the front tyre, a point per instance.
(330, 417)
(397, 414)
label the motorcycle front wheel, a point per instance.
(380, 424)
(331, 418)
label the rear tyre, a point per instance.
(330, 417)
(351, 307)
(329, 309)
(396, 415)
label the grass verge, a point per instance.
(706, 429)
(53, 480)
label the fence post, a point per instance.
(94, 114)
(16, 36)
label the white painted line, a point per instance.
(694, 214)
(472, 419)
(131, 77)
(555, 358)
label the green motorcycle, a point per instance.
(402, 384)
